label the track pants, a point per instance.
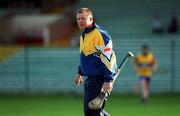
(92, 88)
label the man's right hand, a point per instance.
(78, 79)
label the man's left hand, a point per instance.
(107, 87)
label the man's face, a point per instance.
(84, 20)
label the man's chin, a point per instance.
(82, 28)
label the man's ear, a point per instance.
(91, 19)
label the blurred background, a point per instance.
(39, 54)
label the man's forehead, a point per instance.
(83, 14)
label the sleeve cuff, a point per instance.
(79, 70)
(108, 79)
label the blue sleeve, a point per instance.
(107, 56)
(108, 75)
(79, 70)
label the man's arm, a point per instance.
(136, 64)
(103, 44)
(97, 102)
(154, 66)
(108, 79)
(79, 77)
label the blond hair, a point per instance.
(84, 9)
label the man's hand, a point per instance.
(78, 79)
(107, 87)
(97, 102)
(155, 68)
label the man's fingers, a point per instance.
(108, 86)
(81, 80)
(78, 80)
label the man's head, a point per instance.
(145, 49)
(84, 18)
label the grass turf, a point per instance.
(127, 105)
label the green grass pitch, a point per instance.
(126, 105)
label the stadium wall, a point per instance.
(52, 70)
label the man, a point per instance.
(97, 61)
(145, 63)
(157, 25)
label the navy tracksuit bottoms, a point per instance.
(92, 88)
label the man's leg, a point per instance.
(92, 89)
(145, 89)
(148, 87)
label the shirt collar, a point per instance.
(89, 29)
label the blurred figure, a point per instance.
(173, 26)
(145, 63)
(157, 25)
